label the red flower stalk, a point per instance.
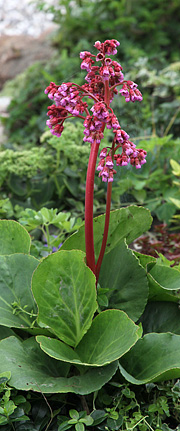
(101, 87)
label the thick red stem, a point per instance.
(106, 228)
(89, 240)
(108, 201)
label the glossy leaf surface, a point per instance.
(64, 289)
(14, 238)
(32, 369)
(167, 277)
(161, 317)
(126, 280)
(15, 290)
(155, 357)
(110, 336)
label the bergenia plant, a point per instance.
(105, 80)
(67, 335)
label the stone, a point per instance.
(20, 51)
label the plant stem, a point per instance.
(89, 240)
(107, 94)
(106, 228)
(84, 404)
(108, 201)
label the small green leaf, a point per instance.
(87, 420)
(74, 414)
(5, 375)
(79, 427)
(64, 426)
(176, 167)
(176, 202)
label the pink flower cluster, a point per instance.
(129, 153)
(131, 92)
(101, 87)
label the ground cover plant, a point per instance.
(94, 312)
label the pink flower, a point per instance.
(109, 162)
(130, 92)
(100, 111)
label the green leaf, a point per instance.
(5, 332)
(167, 277)
(64, 426)
(155, 357)
(176, 167)
(115, 424)
(158, 293)
(110, 336)
(64, 289)
(140, 195)
(79, 427)
(15, 290)
(165, 211)
(162, 281)
(144, 259)
(14, 238)
(161, 317)
(127, 223)
(88, 420)
(125, 280)
(98, 416)
(17, 185)
(74, 414)
(5, 374)
(176, 202)
(32, 369)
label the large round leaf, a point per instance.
(14, 238)
(126, 280)
(155, 357)
(32, 369)
(127, 223)
(64, 289)
(15, 290)
(161, 317)
(110, 336)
